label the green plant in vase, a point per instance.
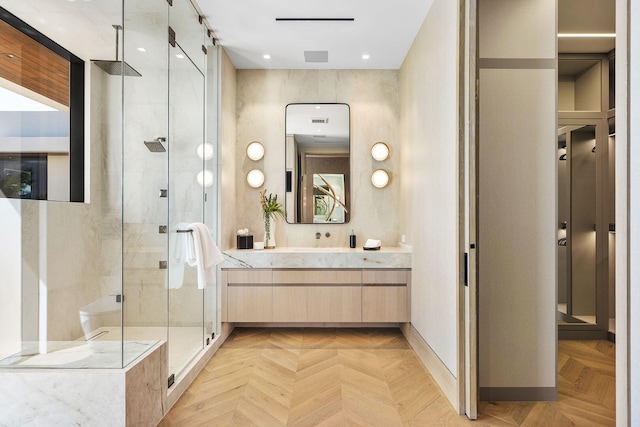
(271, 210)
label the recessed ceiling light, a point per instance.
(365, 56)
(179, 56)
(141, 49)
(590, 35)
(266, 56)
(317, 107)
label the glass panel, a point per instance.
(145, 169)
(190, 34)
(210, 155)
(187, 181)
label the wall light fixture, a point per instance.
(380, 151)
(380, 178)
(255, 178)
(255, 151)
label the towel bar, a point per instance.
(184, 231)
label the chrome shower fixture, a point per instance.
(156, 146)
(116, 68)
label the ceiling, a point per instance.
(248, 30)
(586, 16)
(382, 29)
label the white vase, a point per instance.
(269, 233)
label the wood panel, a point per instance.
(290, 303)
(249, 304)
(385, 304)
(27, 63)
(334, 304)
(249, 276)
(372, 377)
(325, 276)
(391, 277)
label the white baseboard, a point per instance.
(447, 382)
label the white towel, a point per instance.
(372, 244)
(203, 253)
(177, 256)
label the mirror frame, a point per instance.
(292, 208)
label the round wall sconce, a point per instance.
(205, 178)
(380, 178)
(205, 151)
(380, 151)
(255, 178)
(255, 151)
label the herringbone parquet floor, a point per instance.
(371, 377)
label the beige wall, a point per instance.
(517, 204)
(428, 93)
(632, 380)
(227, 153)
(372, 95)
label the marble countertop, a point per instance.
(285, 257)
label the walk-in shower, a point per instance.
(94, 286)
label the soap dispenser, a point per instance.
(352, 240)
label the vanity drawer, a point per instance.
(249, 276)
(317, 277)
(385, 304)
(317, 303)
(385, 277)
(334, 304)
(249, 304)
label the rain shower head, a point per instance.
(116, 68)
(156, 146)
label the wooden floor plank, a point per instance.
(371, 377)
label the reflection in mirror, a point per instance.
(577, 218)
(317, 163)
(328, 197)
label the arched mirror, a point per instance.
(318, 182)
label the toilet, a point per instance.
(101, 312)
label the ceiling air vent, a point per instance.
(316, 56)
(319, 120)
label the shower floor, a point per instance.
(104, 349)
(77, 354)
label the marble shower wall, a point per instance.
(373, 98)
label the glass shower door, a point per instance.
(186, 206)
(144, 167)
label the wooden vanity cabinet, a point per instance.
(385, 296)
(248, 294)
(316, 295)
(330, 295)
